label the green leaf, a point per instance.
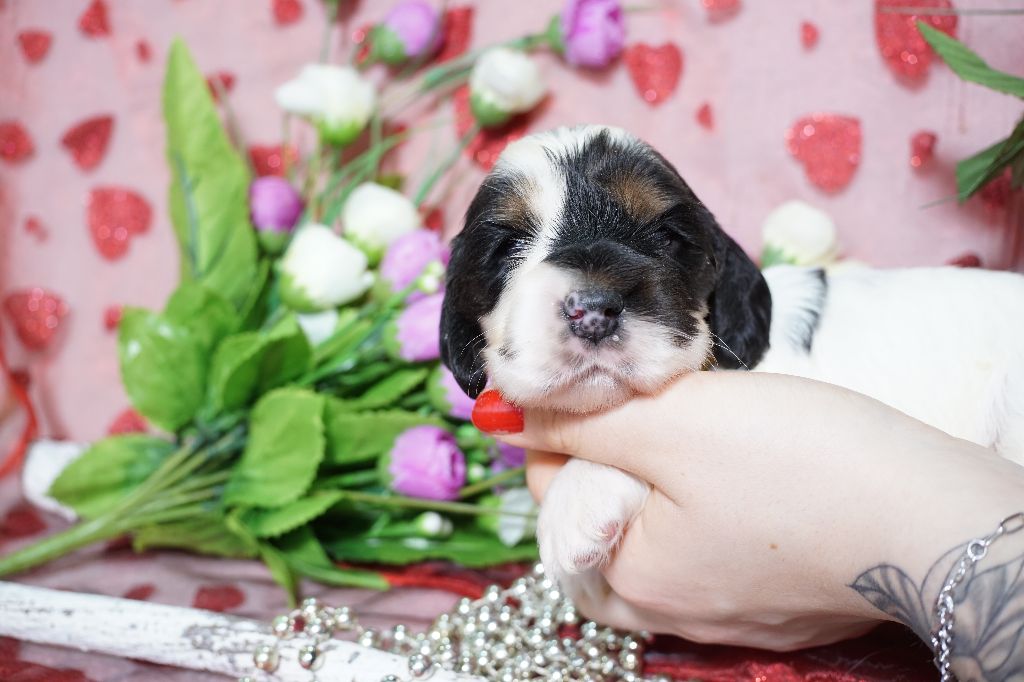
(163, 367)
(254, 309)
(468, 547)
(109, 470)
(1017, 174)
(342, 342)
(284, 449)
(208, 534)
(390, 390)
(967, 64)
(356, 437)
(250, 363)
(280, 570)
(976, 171)
(202, 312)
(771, 255)
(209, 187)
(304, 553)
(264, 523)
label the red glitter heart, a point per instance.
(143, 51)
(87, 141)
(457, 31)
(220, 81)
(828, 145)
(433, 218)
(966, 260)
(112, 317)
(94, 21)
(218, 597)
(655, 70)
(808, 35)
(705, 116)
(360, 37)
(287, 12)
(15, 144)
(922, 148)
(34, 226)
(721, 9)
(272, 159)
(115, 215)
(140, 592)
(21, 521)
(35, 45)
(487, 146)
(129, 421)
(903, 48)
(36, 315)
(996, 192)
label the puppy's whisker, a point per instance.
(724, 346)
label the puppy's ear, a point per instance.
(740, 306)
(462, 341)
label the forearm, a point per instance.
(925, 547)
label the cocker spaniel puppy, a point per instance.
(588, 271)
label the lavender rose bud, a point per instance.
(446, 396)
(410, 30)
(275, 207)
(408, 256)
(592, 32)
(415, 335)
(425, 462)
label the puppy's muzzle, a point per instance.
(592, 315)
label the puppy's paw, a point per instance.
(584, 514)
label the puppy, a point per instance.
(588, 271)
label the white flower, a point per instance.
(336, 98)
(513, 528)
(318, 327)
(504, 82)
(321, 270)
(799, 234)
(45, 461)
(375, 215)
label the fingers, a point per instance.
(541, 467)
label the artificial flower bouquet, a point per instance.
(294, 371)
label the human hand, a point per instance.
(771, 495)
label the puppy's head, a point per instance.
(589, 271)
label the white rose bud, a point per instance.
(318, 327)
(375, 215)
(504, 83)
(321, 270)
(336, 98)
(513, 525)
(45, 461)
(798, 234)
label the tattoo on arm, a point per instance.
(989, 611)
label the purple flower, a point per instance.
(408, 256)
(412, 29)
(594, 32)
(274, 204)
(446, 395)
(416, 335)
(426, 462)
(507, 457)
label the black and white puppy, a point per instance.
(588, 271)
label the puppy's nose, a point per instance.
(593, 315)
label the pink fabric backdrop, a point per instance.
(750, 67)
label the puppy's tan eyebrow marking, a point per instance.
(639, 197)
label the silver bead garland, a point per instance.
(529, 631)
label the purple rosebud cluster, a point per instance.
(593, 32)
(426, 462)
(408, 256)
(411, 30)
(415, 335)
(274, 204)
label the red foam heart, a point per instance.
(129, 421)
(828, 146)
(15, 144)
(705, 116)
(143, 51)
(35, 45)
(922, 148)
(21, 521)
(115, 215)
(808, 35)
(721, 9)
(487, 146)
(287, 12)
(37, 315)
(94, 21)
(903, 48)
(112, 317)
(272, 159)
(87, 141)
(433, 218)
(220, 81)
(140, 592)
(966, 260)
(655, 70)
(218, 597)
(34, 226)
(457, 30)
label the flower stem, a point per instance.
(48, 549)
(488, 483)
(431, 505)
(352, 479)
(431, 180)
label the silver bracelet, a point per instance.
(942, 639)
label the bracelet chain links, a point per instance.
(942, 638)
